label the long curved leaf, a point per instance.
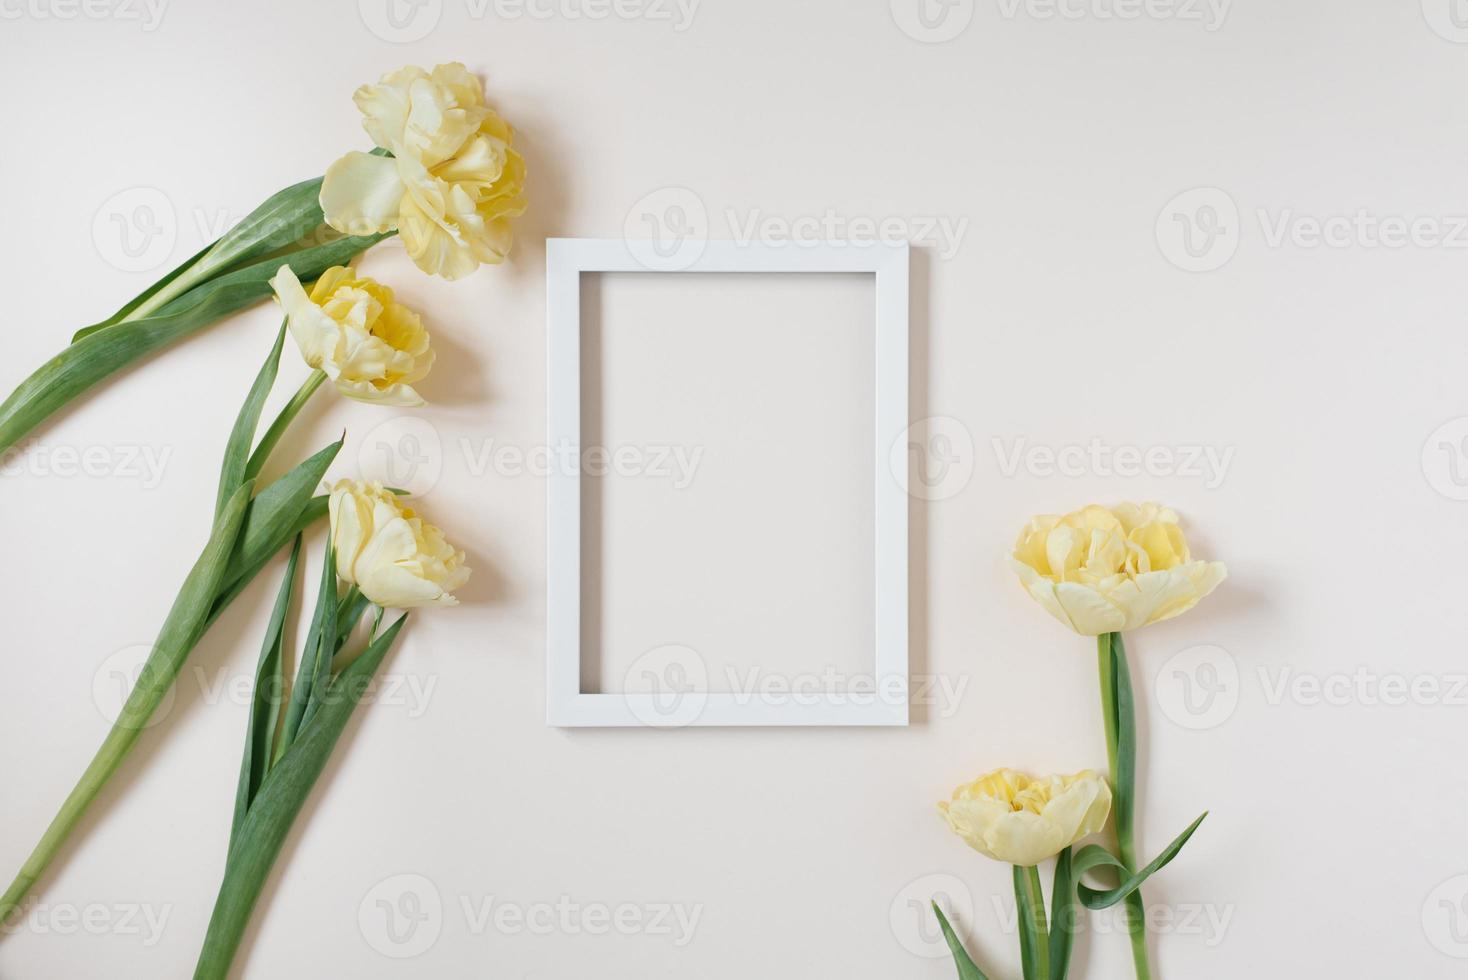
(1095, 856)
(281, 796)
(105, 352)
(266, 701)
(967, 968)
(237, 451)
(1062, 916)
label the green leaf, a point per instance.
(137, 301)
(314, 671)
(266, 701)
(284, 792)
(288, 217)
(244, 574)
(1063, 914)
(1094, 856)
(102, 354)
(349, 614)
(967, 969)
(237, 451)
(282, 422)
(179, 634)
(284, 218)
(275, 515)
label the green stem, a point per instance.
(272, 435)
(1041, 929)
(1120, 722)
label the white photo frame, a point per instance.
(886, 703)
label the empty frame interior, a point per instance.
(727, 430)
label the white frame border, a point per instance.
(566, 705)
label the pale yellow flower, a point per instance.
(1101, 570)
(453, 181)
(1010, 817)
(388, 552)
(371, 347)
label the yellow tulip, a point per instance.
(371, 347)
(453, 181)
(1010, 817)
(388, 552)
(1106, 570)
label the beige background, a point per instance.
(1060, 175)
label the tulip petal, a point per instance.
(361, 194)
